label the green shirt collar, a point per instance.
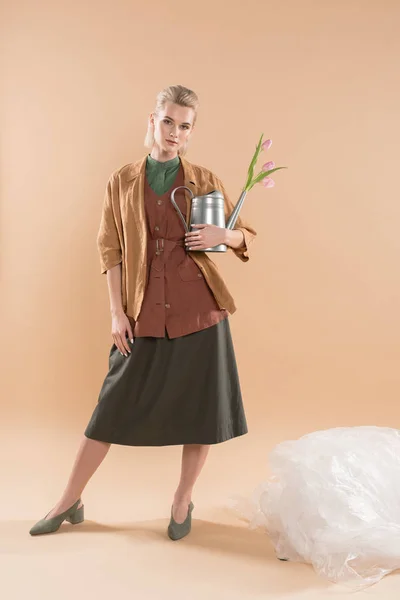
(155, 165)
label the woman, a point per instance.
(172, 372)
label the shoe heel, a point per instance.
(76, 517)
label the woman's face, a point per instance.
(172, 127)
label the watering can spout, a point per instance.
(230, 224)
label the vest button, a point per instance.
(167, 306)
(158, 252)
(159, 202)
(157, 228)
(199, 275)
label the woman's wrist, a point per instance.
(234, 238)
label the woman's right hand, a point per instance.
(120, 328)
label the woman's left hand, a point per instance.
(207, 236)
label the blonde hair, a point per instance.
(178, 94)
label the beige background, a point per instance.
(317, 327)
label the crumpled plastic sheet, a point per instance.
(333, 500)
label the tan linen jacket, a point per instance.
(122, 235)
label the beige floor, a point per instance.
(122, 551)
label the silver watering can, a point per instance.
(209, 209)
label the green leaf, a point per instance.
(262, 175)
(253, 162)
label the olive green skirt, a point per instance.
(183, 390)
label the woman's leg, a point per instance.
(193, 459)
(89, 457)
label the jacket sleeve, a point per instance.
(247, 230)
(108, 239)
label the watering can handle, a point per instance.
(177, 207)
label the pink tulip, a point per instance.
(268, 182)
(268, 166)
(266, 145)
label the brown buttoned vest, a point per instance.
(177, 299)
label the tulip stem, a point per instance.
(253, 163)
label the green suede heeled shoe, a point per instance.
(73, 515)
(176, 531)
